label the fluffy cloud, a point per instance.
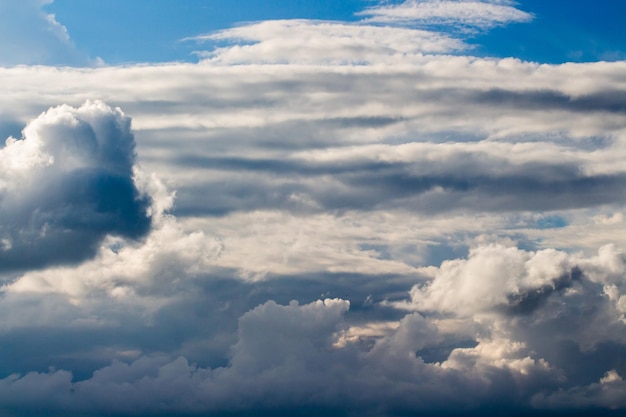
(294, 357)
(564, 311)
(68, 183)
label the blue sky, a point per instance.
(350, 208)
(121, 31)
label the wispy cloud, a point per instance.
(318, 42)
(468, 14)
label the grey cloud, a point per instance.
(199, 321)
(211, 350)
(285, 362)
(529, 301)
(66, 185)
(602, 101)
(469, 180)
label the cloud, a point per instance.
(274, 42)
(562, 309)
(33, 36)
(479, 14)
(606, 393)
(287, 358)
(68, 183)
(437, 216)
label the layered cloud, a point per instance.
(363, 225)
(273, 42)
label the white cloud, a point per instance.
(309, 42)
(482, 14)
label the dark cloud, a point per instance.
(225, 347)
(529, 301)
(472, 181)
(602, 101)
(66, 185)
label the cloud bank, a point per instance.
(516, 344)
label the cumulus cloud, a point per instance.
(287, 358)
(561, 311)
(68, 183)
(481, 14)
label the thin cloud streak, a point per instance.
(470, 14)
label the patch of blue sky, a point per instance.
(121, 31)
(551, 222)
(572, 31)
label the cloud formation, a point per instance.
(480, 14)
(513, 334)
(68, 183)
(273, 42)
(364, 225)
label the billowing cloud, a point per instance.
(419, 364)
(68, 183)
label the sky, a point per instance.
(348, 208)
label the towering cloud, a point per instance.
(67, 184)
